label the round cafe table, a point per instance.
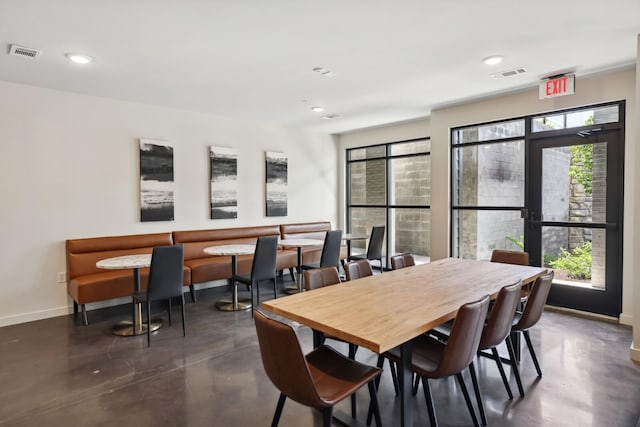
(299, 244)
(235, 304)
(134, 262)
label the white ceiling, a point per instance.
(253, 59)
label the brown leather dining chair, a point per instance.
(319, 379)
(357, 269)
(401, 261)
(516, 258)
(433, 359)
(532, 313)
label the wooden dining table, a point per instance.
(388, 310)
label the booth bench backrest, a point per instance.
(194, 241)
(82, 254)
(309, 230)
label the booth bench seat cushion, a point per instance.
(309, 230)
(206, 268)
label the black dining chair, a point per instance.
(374, 250)
(165, 282)
(330, 256)
(319, 379)
(263, 267)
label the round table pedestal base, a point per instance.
(226, 304)
(292, 290)
(125, 328)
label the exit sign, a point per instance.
(557, 86)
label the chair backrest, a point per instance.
(165, 273)
(463, 341)
(374, 251)
(500, 319)
(535, 304)
(510, 257)
(402, 261)
(284, 361)
(357, 269)
(330, 256)
(320, 277)
(264, 258)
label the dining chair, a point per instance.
(434, 359)
(401, 261)
(357, 269)
(496, 330)
(320, 379)
(516, 258)
(330, 256)
(527, 318)
(319, 278)
(374, 250)
(263, 267)
(164, 283)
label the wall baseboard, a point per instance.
(584, 314)
(635, 353)
(626, 319)
(35, 315)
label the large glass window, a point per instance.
(390, 184)
(488, 187)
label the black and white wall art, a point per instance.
(156, 181)
(224, 182)
(276, 180)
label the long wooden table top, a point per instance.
(385, 310)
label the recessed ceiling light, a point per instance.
(493, 60)
(79, 58)
(317, 109)
(331, 116)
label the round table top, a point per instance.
(230, 250)
(300, 242)
(353, 236)
(126, 261)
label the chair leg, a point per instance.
(476, 389)
(514, 365)
(527, 338)
(184, 331)
(428, 397)
(374, 404)
(416, 383)
(85, 319)
(467, 399)
(252, 306)
(169, 310)
(352, 351)
(75, 308)
(293, 276)
(353, 406)
(276, 416)
(133, 314)
(327, 414)
(505, 381)
(148, 323)
(394, 377)
(275, 294)
(192, 290)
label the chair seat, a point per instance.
(425, 358)
(335, 376)
(244, 278)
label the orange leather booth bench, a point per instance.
(87, 284)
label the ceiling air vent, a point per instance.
(24, 52)
(509, 73)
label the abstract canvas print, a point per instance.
(276, 180)
(224, 182)
(156, 181)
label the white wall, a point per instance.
(593, 89)
(69, 169)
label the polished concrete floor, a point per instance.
(56, 373)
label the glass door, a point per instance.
(574, 220)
